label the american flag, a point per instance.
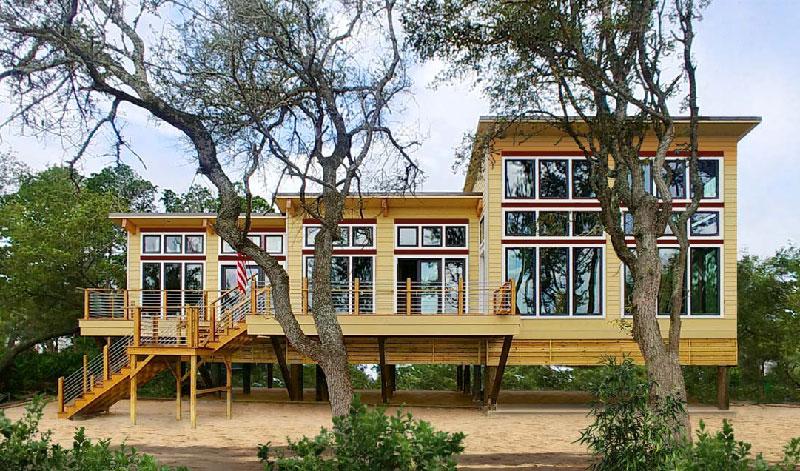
(241, 273)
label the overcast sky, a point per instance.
(748, 54)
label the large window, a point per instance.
(434, 284)
(173, 244)
(344, 271)
(674, 175)
(349, 235)
(521, 223)
(701, 288)
(272, 243)
(708, 169)
(581, 183)
(432, 236)
(169, 286)
(565, 281)
(520, 175)
(552, 223)
(553, 179)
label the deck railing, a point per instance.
(165, 313)
(94, 372)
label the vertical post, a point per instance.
(320, 385)
(723, 399)
(305, 296)
(500, 369)
(489, 374)
(178, 389)
(125, 299)
(476, 382)
(356, 293)
(459, 377)
(134, 390)
(205, 305)
(228, 388)
(163, 304)
(253, 297)
(137, 326)
(408, 296)
(267, 300)
(247, 374)
(384, 371)
(60, 394)
(467, 385)
(106, 372)
(297, 380)
(91, 382)
(392, 379)
(513, 297)
(270, 376)
(86, 303)
(460, 295)
(212, 324)
(193, 390)
(85, 374)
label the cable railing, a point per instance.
(94, 372)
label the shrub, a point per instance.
(24, 448)
(368, 439)
(722, 452)
(628, 432)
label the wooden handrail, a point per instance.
(86, 298)
(85, 373)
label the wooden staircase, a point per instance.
(107, 379)
(102, 395)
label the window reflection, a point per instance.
(554, 279)
(519, 178)
(553, 179)
(587, 270)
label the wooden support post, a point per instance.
(247, 377)
(86, 298)
(356, 296)
(489, 374)
(277, 347)
(408, 296)
(253, 298)
(178, 376)
(91, 382)
(459, 377)
(321, 385)
(163, 304)
(193, 390)
(269, 375)
(383, 369)
(137, 327)
(85, 374)
(392, 379)
(106, 371)
(228, 388)
(467, 386)
(125, 301)
(513, 296)
(723, 399)
(501, 367)
(134, 389)
(297, 381)
(60, 394)
(476, 382)
(460, 295)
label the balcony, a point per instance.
(172, 317)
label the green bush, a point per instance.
(24, 448)
(368, 439)
(628, 432)
(722, 452)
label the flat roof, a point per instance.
(416, 194)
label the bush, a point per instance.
(722, 452)
(368, 439)
(629, 433)
(24, 448)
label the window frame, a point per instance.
(162, 237)
(443, 257)
(535, 189)
(434, 227)
(351, 284)
(162, 280)
(567, 175)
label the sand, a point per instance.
(507, 440)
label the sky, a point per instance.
(748, 57)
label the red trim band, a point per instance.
(174, 258)
(593, 204)
(169, 230)
(575, 242)
(346, 251)
(578, 153)
(233, 258)
(343, 221)
(431, 221)
(431, 251)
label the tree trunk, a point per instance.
(663, 366)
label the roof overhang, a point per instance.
(167, 221)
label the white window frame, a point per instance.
(571, 281)
(350, 285)
(349, 244)
(161, 263)
(163, 247)
(570, 216)
(433, 248)
(442, 256)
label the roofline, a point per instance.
(547, 119)
(185, 215)
(418, 194)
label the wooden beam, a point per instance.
(384, 370)
(479, 208)
(501, 367)
(723, 398)
(297, 381)
(385, 207)
(193, 390)
(269, 375)
(467, 385)
(476, 382)
(134, 389)
(178, 384)
(459, 377)
(247, 377)
(281, 357)
(392, 379)
(60, 391)
(321, 385)
(228, 388)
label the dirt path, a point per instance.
(518, 441)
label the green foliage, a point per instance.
(39, 371)
(23, 447)
(722, 452)
(628, 432)
(426, 377)
(200, 199)
(368, 439)
(131, 192)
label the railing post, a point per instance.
(137, 326)
(91, 382)
(267, 300)
(305, 296)
(106, 373)
(163, 304)
(125, 300)
(253, 298)
(85, 374)
(60, 394)
(460, 295)
(356, 293)
(408, 296)
(86, 303)
(513, 296)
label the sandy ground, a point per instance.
(497, 441)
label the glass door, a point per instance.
(426, 285)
